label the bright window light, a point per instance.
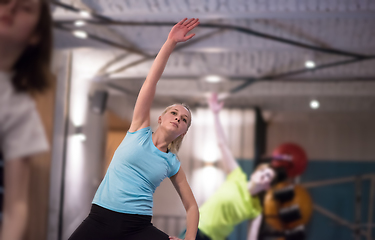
(85, 14)
(80, 34)
(210, 153)
(205, 181)
(314, 104)
(79, 23)
(213, 78)
(81, 137)
(309, 64)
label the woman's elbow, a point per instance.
(193, 207)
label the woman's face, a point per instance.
(262, 179)
(176, 120)
(18, 19)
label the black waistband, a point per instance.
(118, 217)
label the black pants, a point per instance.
(104, 224)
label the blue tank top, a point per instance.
(136, 170)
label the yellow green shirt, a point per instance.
(228, 206)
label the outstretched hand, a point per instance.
(214, 104)
(179, 31)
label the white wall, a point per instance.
(325, 136)
(84, 159)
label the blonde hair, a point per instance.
(175, 145)
(262, 166)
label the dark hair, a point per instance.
(280, 175)
(32, 69)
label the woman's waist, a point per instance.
(104, 214)
(134, 206)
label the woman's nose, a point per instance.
(178, 120)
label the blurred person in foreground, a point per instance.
(25, 52)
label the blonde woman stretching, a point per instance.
(122, 206)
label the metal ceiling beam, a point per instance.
(179, 47)
(253, 33)
(145, 16)
(77, 10)
(135, 94)
(292, 73)
(102, 40)
(230, 27)
(105, 20)
(242, 78)
(248, 82)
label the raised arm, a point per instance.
(192, 213)
(141, 116)
(228, 159)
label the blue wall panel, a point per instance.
(338, 198)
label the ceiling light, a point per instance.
(85, 14)
(80, 34)
(309, 64)
(214, 50)
(79, 23)
(314, 104)
(213, 78)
